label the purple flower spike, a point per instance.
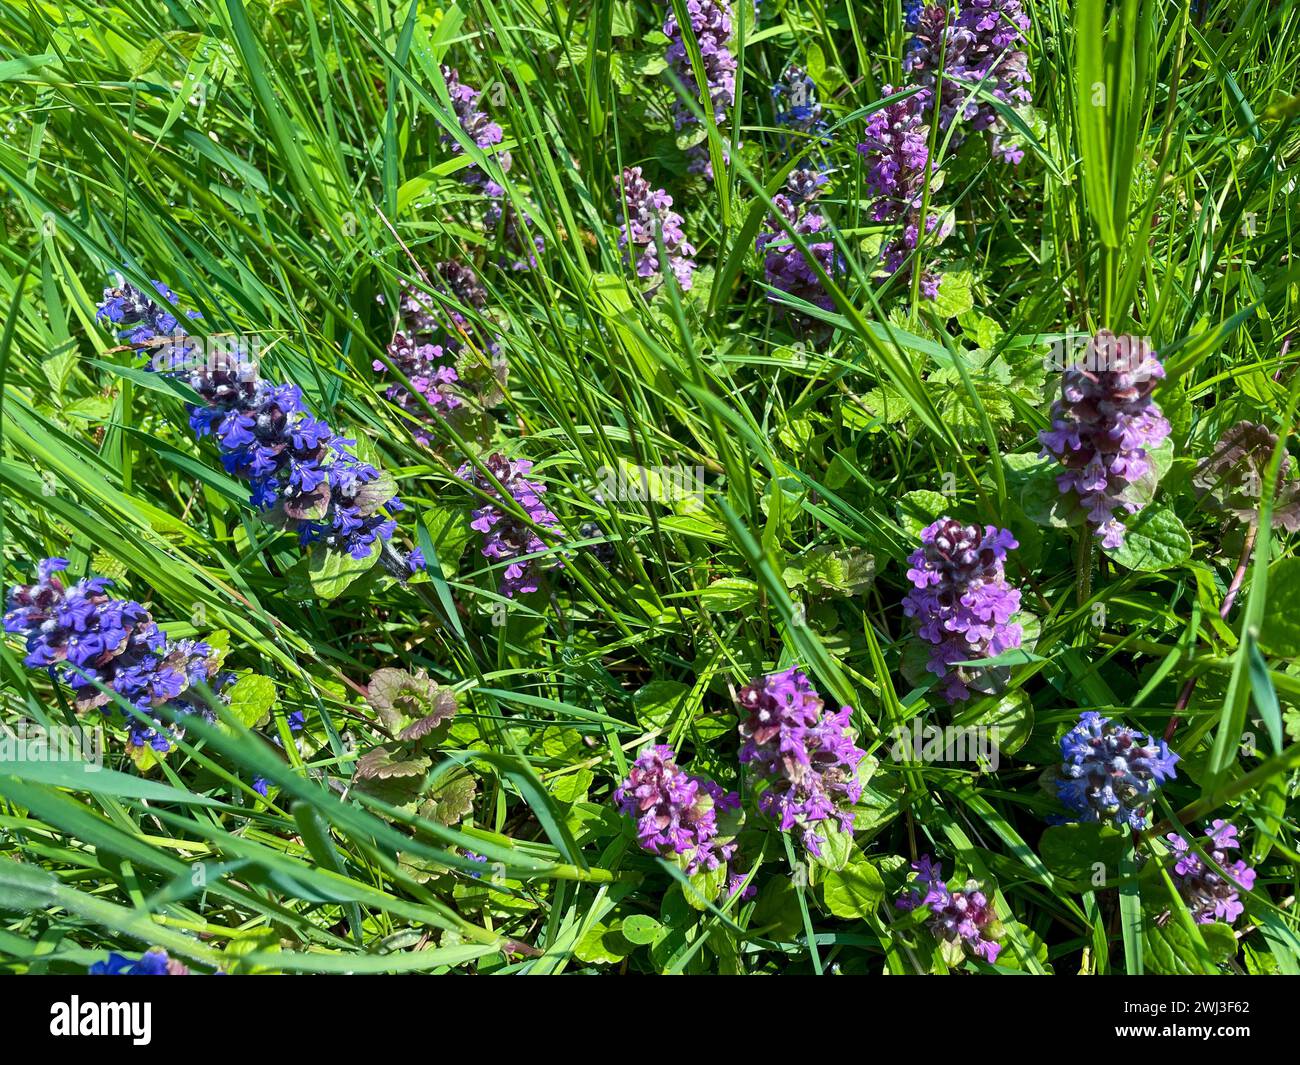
(805, 753)
(294, 464)
(1103, 428)
(1110, 772)
(979, 46)
(897, 150)
(505, 537)
(676, 813)
(961, 602)
(964, 917)
(785, 266)
(1210, 895)
(479, 128)
(650, 218)
(113, 643)
(711, 27)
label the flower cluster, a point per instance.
(436, 347)
(1103, 427)
(1109, 772)
(963, 917)
(297, 466)
(109, 647)
(978, 48)
(1209, 894)
(153, 962)
(960, 601)
(804, 753)
(479, 128)
(499, 216)
(650, 219)
(505, 537)
(785, 267)
(711, 28)
(676, 813)
(797, 106)
(897, 150)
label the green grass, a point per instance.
(281, 165)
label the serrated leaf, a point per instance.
(854, 891)
(251, 699)
(332, 571)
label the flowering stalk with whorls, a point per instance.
(505, 537)
(451, 368)
(1110, 772)
(676, 813)
(711, 28)
(1104, 428)
(804, 754)
(961, 602)
(963, 921)
(978, 50)
(650, 220)
(487, 134)
(785, 266)
(794, 95)
(300, 471)
(101, 647)
(1210, 888)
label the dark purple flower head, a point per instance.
(650, 218)
(113, 643)
(293, 462)
(979, 46)
(153, 962)
(1210, 895)
(964, 916)
(1103, 427)
(785, 267)
(1109, 772)
(676, 813)
(961, 602)
(711, 27)
(505, 537)
(804, 753)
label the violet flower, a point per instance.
(961, 602)
(979, 46)
(650, 218)
(785, 267)
(897, 149)
(1210, 895)
(711, 27)
(676, 814)
(797, 107)
(110, 643)
(1104, 427)
(804, 753)
(1110, 772)
(436, 346)
(505, 537)
(964, 917)
(297, 466)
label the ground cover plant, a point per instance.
(618, 487)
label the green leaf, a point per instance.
(854, 891)
(333, 571)
(1279, 631)
(1083, 854)
(251, 699)
(1155, 541)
